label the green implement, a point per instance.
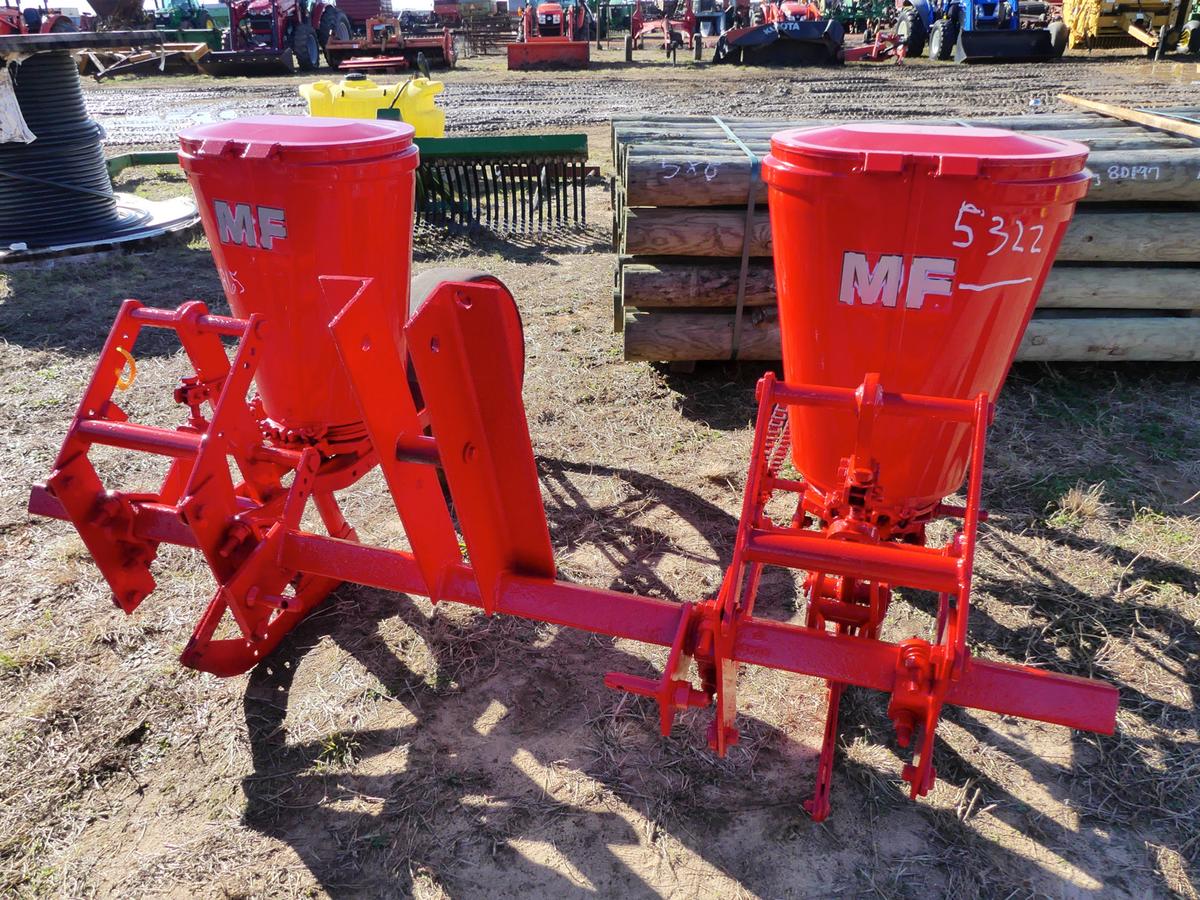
(509, 185)
(523, 185)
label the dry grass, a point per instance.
(391, 748)
(1080, 504)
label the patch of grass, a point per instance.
(1165, 440)
(1079, 505)
(34, 655)
(338, 751)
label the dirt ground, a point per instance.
(389, 749)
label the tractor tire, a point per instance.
(911, 32)
(1191, 34)
(62, 26)
(338, 30)
(1059, 36)
(208, 24)
(306, 48)
(941, 42)
(335, 25)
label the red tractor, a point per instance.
(276, 36)
(14, 20)
(793, 11)
(552, 36)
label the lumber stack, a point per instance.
(1126, 284)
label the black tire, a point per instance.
(208, 24)
(334, 24)
(338, 30)
(62, 26)
(940, 42)
(1191, 34)
(911, 32)
(306, 47)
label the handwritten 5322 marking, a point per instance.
(1011, 234)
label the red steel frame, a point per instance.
(465, 417)
(666, 26)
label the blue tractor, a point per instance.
(980, 30)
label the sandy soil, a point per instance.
(391, 749)
(481, 96)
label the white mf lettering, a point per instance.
(249, 226)
(928, 275)
(880, 284)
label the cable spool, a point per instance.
(56, 190)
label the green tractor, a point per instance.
(1190, 37)
(183, 15)
(186, 21)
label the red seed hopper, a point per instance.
(898, 332)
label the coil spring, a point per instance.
(778, 442)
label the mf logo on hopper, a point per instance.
(918, 283)
(249, 226)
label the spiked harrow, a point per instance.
(348, 365)
(516, 185)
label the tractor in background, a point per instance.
(275, 37)
(384, 43)
(1191, 30)
(186, 21)
(695, 24)
(553, 35)
(978, 31)
(31, 20)
(182, 15)
(1157, 26)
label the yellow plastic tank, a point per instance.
(358, 97)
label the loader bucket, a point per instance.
(1026, 45)
(247, 62)
(548, 54)
(934, 301)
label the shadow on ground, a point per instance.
(78, 297)
(426, 823)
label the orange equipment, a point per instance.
(554, 36)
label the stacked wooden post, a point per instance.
(1126, 284)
